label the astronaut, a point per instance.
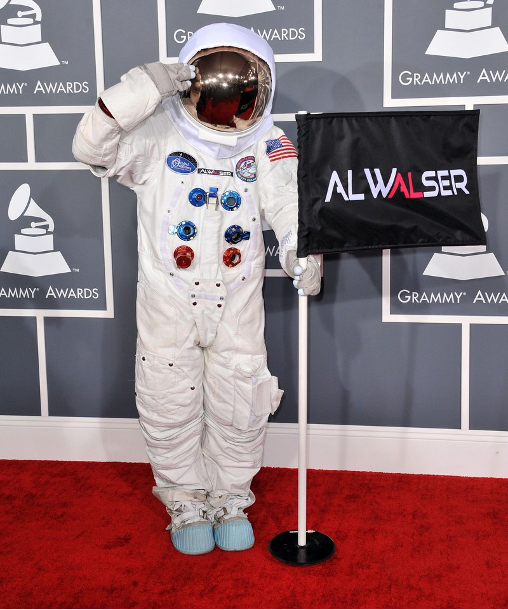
(196, 142)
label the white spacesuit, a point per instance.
(205, 179)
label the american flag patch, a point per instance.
(280, 149)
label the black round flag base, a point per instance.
(285, 547)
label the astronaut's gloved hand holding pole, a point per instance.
(197, 144)
(307, 274)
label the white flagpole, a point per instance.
(303, 302)
(302, 547)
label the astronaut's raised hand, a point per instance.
(142, 89)
(306, 273)
(170, 79)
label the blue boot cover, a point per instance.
(194, 539)
(234, 535)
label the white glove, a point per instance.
(170, 78)
(307, 278)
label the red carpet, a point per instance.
(88, 535)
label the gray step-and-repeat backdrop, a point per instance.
(413, 338)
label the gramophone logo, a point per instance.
(235, 8)
(293, 29)
(21, 46)
(34, 254)
(464, 262)
(468, 32)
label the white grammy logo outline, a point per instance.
(33, 253)
(21, 46)
(468, 32)
(464, 262)
(235, 8)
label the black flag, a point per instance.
(388, 180)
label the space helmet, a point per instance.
(233, 89)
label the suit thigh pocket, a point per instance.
(243, 396)
(167, 392)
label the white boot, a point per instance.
(231, 527)
(191, 531)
